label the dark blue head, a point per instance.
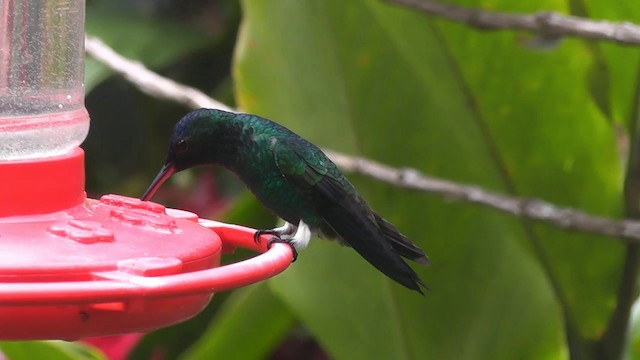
(192, 143)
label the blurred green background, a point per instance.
(503, 110)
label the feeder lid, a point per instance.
(83, 235)
(115, 233)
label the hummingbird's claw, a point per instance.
(284, 241)
(258, 233)
(286, 229)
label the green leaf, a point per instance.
(50, 350)
(633, 345)
(153, 42)
(621, 61)
(550, 136)
(251, 315)
(391, 84)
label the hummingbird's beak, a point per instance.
(165, 173)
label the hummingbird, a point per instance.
(296, 181)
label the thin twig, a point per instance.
(546, 24)
(535, 209)
(148, 81)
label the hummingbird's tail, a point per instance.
(377, 244)
(400, 243)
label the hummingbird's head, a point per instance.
(191, 144)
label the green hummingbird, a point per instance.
(296, 181)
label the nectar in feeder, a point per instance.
(41, 78)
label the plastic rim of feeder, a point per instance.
(73, 267)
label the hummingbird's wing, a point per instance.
(338, 203)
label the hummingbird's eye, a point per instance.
(181, 145)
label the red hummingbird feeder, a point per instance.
(73, 267)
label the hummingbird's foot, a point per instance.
(284, 241)
(298, 239)
(286, 229)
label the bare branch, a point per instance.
(148, 81)
(546, 24)
(562, 217)
(535, 209)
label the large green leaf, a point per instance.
(393, 85)
(549, 137)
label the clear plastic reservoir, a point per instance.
(41, 78)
